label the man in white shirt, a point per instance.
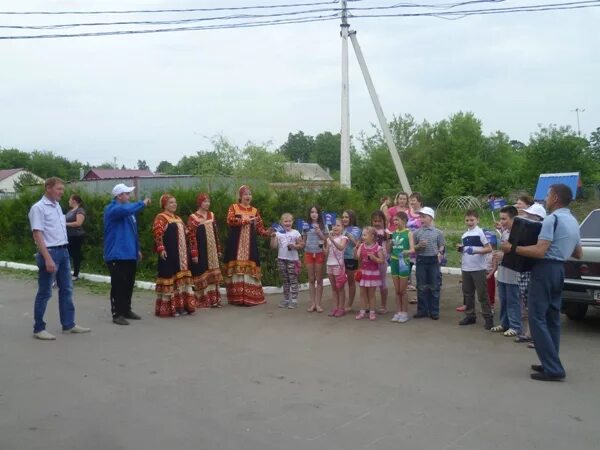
(50, 235)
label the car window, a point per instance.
(590, 228)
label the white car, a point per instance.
(582, 277)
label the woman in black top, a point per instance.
(75, 218)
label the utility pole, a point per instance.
(345, 177)
(380, 116)
(577, 111)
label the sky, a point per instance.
(162, 96)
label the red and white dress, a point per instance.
(371, 276)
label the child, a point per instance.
(370, 255)
(314, 256)
(474, 247)
(353, 233)
(415, 203)
(379, 223)
(385, 204)
(288, 261)
(533, 212)
(400, 204)
(508, 283)
(429, 245)
(335, 246)
(400, 245)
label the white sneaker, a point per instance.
(44, 336)
(403, 318)
(77, 330)
(396, 317)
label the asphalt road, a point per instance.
(269, 379)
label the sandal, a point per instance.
(372, 315)
(497, 329)
(311, 308)
(461, 308)
(318, 309)
(382, 311)
(413, 301)
(522, 338)
(510, 333)
(339, 313)
(530, 345)
(361, 315)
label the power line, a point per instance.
(448, 14)
(177, 29)
(179, 10)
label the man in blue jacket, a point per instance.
(122, 251)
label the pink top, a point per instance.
(363, 256)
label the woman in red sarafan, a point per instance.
(242, 264)
(174, 293)
(203, 241)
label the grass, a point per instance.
(91, 287)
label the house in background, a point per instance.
(8, 177)
(111, 174)
(307, 171)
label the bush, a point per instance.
(16, 243)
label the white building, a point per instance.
(9, 176)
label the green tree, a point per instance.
(558, 149)
(298, 147)
(11, 158)
(142, 165)
(258, 162)
(25, 181)
(595, 144)
(326, 150)
(165, 167)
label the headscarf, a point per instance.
(202, 197)
(164, 199)
(244, 189)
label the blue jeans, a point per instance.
(66, 309)
(510, 306)
(428, 286)
(545, 292)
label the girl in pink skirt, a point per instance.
(370, 256)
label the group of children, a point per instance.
(400, 237)
(397, 237)
(480, 263)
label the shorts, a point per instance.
(314, 258)
(403, 272)
(351, 264)
(334, 270)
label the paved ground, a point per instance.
(269, 379)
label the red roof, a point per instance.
(103, 174)
(5, 173)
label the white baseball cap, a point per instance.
(121, 188)
(427, 211)
(537, 210)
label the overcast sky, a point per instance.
(159, 96)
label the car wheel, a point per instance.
(575, 311)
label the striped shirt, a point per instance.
(433, 236)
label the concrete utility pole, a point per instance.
(577, 111)
(345, 177)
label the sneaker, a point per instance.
(133, 316)
(332, 313)
(435, 317)
(361, 315)
(403, 318)
(74, 278)
(339, 313)
(461, 308)
(293, 305)
(44, 336)
(497, 329)
(420, 316)
(396, 317)
(284, 304)
(120, 320)
(489, 323)
(468, 320)
(77, 330)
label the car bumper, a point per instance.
(581, 291)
